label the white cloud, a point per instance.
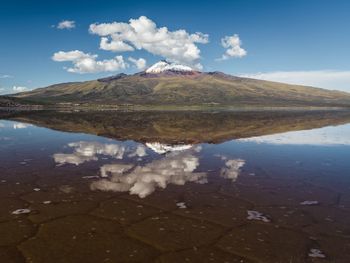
(233, 47)
(139, 63)
(87, 63)
(328, 79)
(116, 45)
(2, 91)
(142, 33)
(5, 76)
(66, 24)
(19, 89)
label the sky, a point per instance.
(298, 42)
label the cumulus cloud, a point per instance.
(142, 33)
(176, 168)
(116, 46)
(139, 63)
(87, 63)
(19, 88)
(66, 24)
(233, 47)
(328, 79)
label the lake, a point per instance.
(175, 186)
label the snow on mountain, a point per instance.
(164, 65)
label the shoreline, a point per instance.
(169, 108)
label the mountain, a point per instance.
(167, 83)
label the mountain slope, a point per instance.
(178, 85)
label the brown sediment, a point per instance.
(93, 227)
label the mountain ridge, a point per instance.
(173, 84)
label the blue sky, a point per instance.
(299, 41)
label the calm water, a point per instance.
(239, 186)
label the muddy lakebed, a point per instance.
(228, 186)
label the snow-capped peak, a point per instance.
(164, 65)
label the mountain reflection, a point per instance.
(182, 128)
(145, 151)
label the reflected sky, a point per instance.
(339, 135)
(142, 167)
(177, 173)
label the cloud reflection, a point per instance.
(21, 125)
(176, 168)
(84, 151)
(232, 169)
(72, 158)
(140, 151)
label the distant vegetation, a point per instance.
(8, 102)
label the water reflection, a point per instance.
(171, 148)
(206, 168)
(339, 135)
(232, 168)
(20, 125)
(88, 151)
(162, 148)
(163, 131)
(175, 168)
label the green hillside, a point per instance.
(191, 89)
